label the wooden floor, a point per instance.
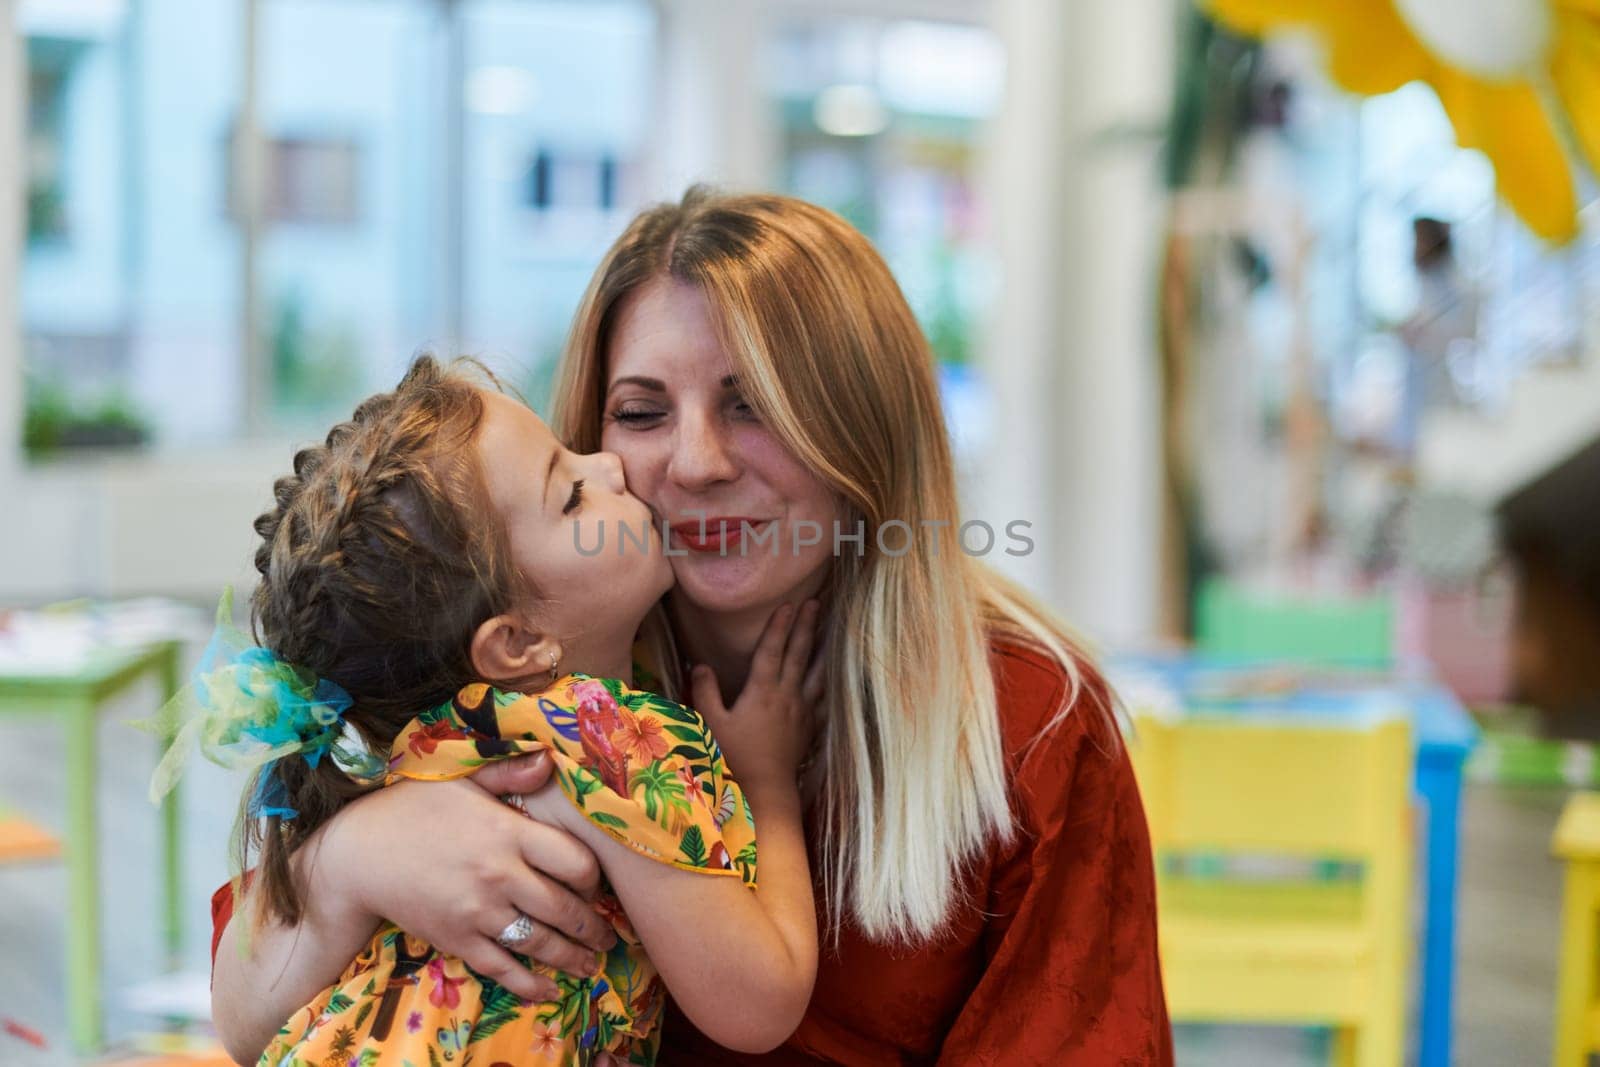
(1509, 909)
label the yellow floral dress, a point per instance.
(644, 769)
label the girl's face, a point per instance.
(554, 501)
(740, 506)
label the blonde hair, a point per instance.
(913, 787)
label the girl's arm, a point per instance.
(261, 978)
(445, 861)
(739, 963)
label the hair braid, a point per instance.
(376, 565)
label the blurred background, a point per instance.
(1279, 321)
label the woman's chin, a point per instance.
(728, 584)
(725, 583)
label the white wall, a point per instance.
(1073, 180)
(168, 523)
(713, 121)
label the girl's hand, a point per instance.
(450, 863)
(768, 731)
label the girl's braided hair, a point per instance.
(378, 561)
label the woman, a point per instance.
(983, 863)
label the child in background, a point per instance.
(425, 560)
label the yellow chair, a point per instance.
(1577, 841)
(1329, 952)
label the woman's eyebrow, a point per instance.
(653, 384)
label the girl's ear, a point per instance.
(505, 651)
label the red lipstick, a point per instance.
(717, 533)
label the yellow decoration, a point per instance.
(1509, 73)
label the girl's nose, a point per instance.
(611, 464)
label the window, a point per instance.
(432, 174)
(880, 121)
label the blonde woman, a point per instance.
(983, 865)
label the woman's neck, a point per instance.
(723, 641)
(726, 641)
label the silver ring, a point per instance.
(517, 931)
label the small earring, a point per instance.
(553, 661)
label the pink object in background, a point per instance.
(1464, 632)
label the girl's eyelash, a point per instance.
(575, 498)
(634, 414)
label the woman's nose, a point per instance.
(701, 454)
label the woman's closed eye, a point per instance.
(575, 499)
(636, 415)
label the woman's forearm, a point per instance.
(263, 974)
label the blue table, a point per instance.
(1445, 734)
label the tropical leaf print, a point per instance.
(585, 781)
(663, 793)
(746, 862)
(692, 734)
(671, 710)
(441, 713)
(605, 818)
(693, 847)
(725, 809)
(500, 1006)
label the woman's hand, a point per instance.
(446, 861)
(450, 863)
(768, 732)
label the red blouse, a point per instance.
(1057, 966)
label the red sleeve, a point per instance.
(221, 913)
(1073, 975)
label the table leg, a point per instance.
(83, 881)
(172, 833)
(1439, 782)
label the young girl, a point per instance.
(427, 560)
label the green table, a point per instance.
(77, 699)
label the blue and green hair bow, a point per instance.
(245, 708)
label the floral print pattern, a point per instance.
(644, 769)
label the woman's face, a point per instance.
(737, 501)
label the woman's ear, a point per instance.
(505, 650)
